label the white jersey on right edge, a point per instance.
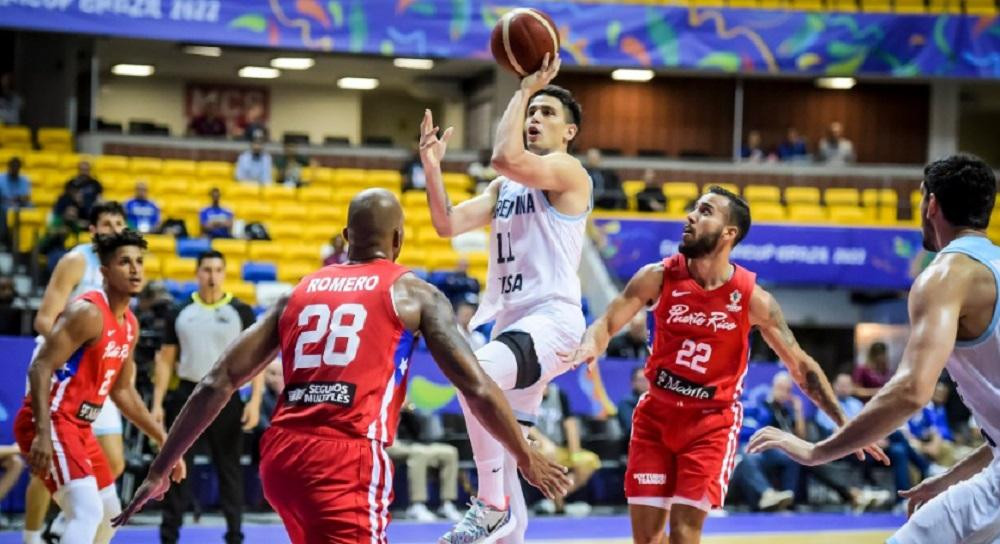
(92, 279)
(975, 364)
(535, 253)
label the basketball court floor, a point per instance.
(733, 529)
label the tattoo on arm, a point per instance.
(822, 394)
(779, 319)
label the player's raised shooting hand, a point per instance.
(549, 477)
(533, 83)
(432, 148)
(153, 487)
(770, 438)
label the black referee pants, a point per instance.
(224, 441)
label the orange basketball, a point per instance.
(521, 38)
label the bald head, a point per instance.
(374, 226)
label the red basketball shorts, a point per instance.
(681, 456)
(327, 491)
(76, 454)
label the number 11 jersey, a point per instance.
(345, 353)
(701, 339)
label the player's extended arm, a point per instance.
(79, 324)
(642, 290)
(422, 307)
(765, 313)
(552, 172)
(163, 371)
(931, 487)
(935, 306)
(66, 275)
(450, 220)
(242, 360)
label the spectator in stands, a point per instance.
(416, 445)
(465, 309)
(15, 188)
(89, 187)
(208, 123)
(414, 178)
(70, 210)
(458, 283)
(640, 385)
(834, 149)
(142, 213)
(12, 312)
(871, 376)
(608, 193)
(793, 149)
(931, 434)
(12, 466)
(335, 252)
(10, 102)
(253, 127)
(651, 197)
(216, 221)
(755, 474)
(558, 435)
(290, 165)
(481, 171)
(254, 164)
(632, 343)
(274, 384)
(753, 148)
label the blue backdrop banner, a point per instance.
(781, 254)
(701, 38)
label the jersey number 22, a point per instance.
(331, 327)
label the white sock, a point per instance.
(518, 509)
(81, 501)
(58, 526)
(31, 537)
(112, 507)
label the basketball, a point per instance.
(521, 38)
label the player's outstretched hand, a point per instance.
(152, 488)
(770, 438)
(533, 83)
(586, 353)
(876, 452)
(549, 477)
(40, 455)
(926, 490)
(179, 472)
(431, 147)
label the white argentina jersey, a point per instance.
(975, 364)
(534, 253)
(92, 279)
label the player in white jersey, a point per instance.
(537, 211)
(77, 272)
(954, 317)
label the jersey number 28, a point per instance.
(331, 327)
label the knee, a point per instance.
(684, 533)
(13, 463)
(116, 466)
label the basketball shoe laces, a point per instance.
(473, 527)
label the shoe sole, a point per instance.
(504, 530)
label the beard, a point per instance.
(929, 239)
(700, 246)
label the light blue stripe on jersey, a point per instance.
(984, 251)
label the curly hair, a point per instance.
(105, 245)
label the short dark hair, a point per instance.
(570, 106)
(739, 211)
(965, 188)
(210, 254)
(105, 245)
(108, 207)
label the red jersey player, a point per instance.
(345, 334)
(685, 430)
(86, 358)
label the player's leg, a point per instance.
(105, 479)
(175, 503)
(12, 466)
(967, 512)
(81, 501)
(108, 430)
(36, 504)
(648, 523)
(518, 508)
(686, 523)
(112, 507)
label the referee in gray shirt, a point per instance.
(199, 330)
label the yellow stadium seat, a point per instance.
(324, 214)
(750, 4)
(234, 267)
(456, 197)
(252, 210)
(161, 244)
(315, 195)
(910, 6)
(841, 196)
(318, 233)
(879, 197)
(36, 217)
(177, 268)
(171, 186)
(53, 138)
(731, 187)
(264, 251)
(806, 213)
(442, 260)
(71, 161)
(414, 199)
(916, 197)
(806, 5)
(215, 169)
(762, 193)
(945, 6)
(175, 167)
(390, 179)
(293, 272)
(106, 164)
(876, 6)
(767, 211)
(285, 231)
(457, 180)
(850, 215)
(632, 187)
(152, 266)
(245, 291)
(302, 252)
(318, 175)
(6, 154)
(288, 211)
(145, 166)
(418, 216)
(232, 248)
(801, 195)
(181, 206)
(46, 197)
(980, 7)
(117, 195)
(278, 193)
(679, 195)
(15, 136)
(349, 176)
(477, 259)
(40, 159)
(842, 5)
(240, 191)
(412, 258)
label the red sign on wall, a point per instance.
(234, 103)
